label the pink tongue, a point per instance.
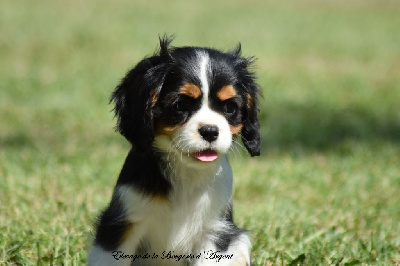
(205, 156)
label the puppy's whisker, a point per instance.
(235, 148)
(241, 146)
(238, 145)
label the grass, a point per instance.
(324, 191)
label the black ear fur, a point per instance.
(237, 51)
(132, 96)
(251, 136)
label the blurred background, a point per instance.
(324, 191)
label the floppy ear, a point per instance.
(250, 133)
(251, 136)
(137, 94)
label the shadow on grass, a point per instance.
(19, 140)
(318, 127)
(292, 126)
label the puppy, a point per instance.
(181, 109)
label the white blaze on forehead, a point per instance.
(204, 66)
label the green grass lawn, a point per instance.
(326, 189)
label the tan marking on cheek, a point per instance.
(127, 233)
(249, 101)
(236, 129)
(226, 92)
(153, 99)
(190, 90)
(167, 130)
(160, 198)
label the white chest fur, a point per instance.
(183, 221)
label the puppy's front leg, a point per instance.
(236, 253)
(119, 229)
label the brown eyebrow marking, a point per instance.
(226, 92)
(191, 90)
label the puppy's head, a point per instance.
(190, 101)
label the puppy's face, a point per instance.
(199, 107)
(190, 102)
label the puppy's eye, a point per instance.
(230, 108)
(181, 106)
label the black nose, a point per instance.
(209, 133)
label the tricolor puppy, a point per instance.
(181, 109)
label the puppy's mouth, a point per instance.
(205, 155)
